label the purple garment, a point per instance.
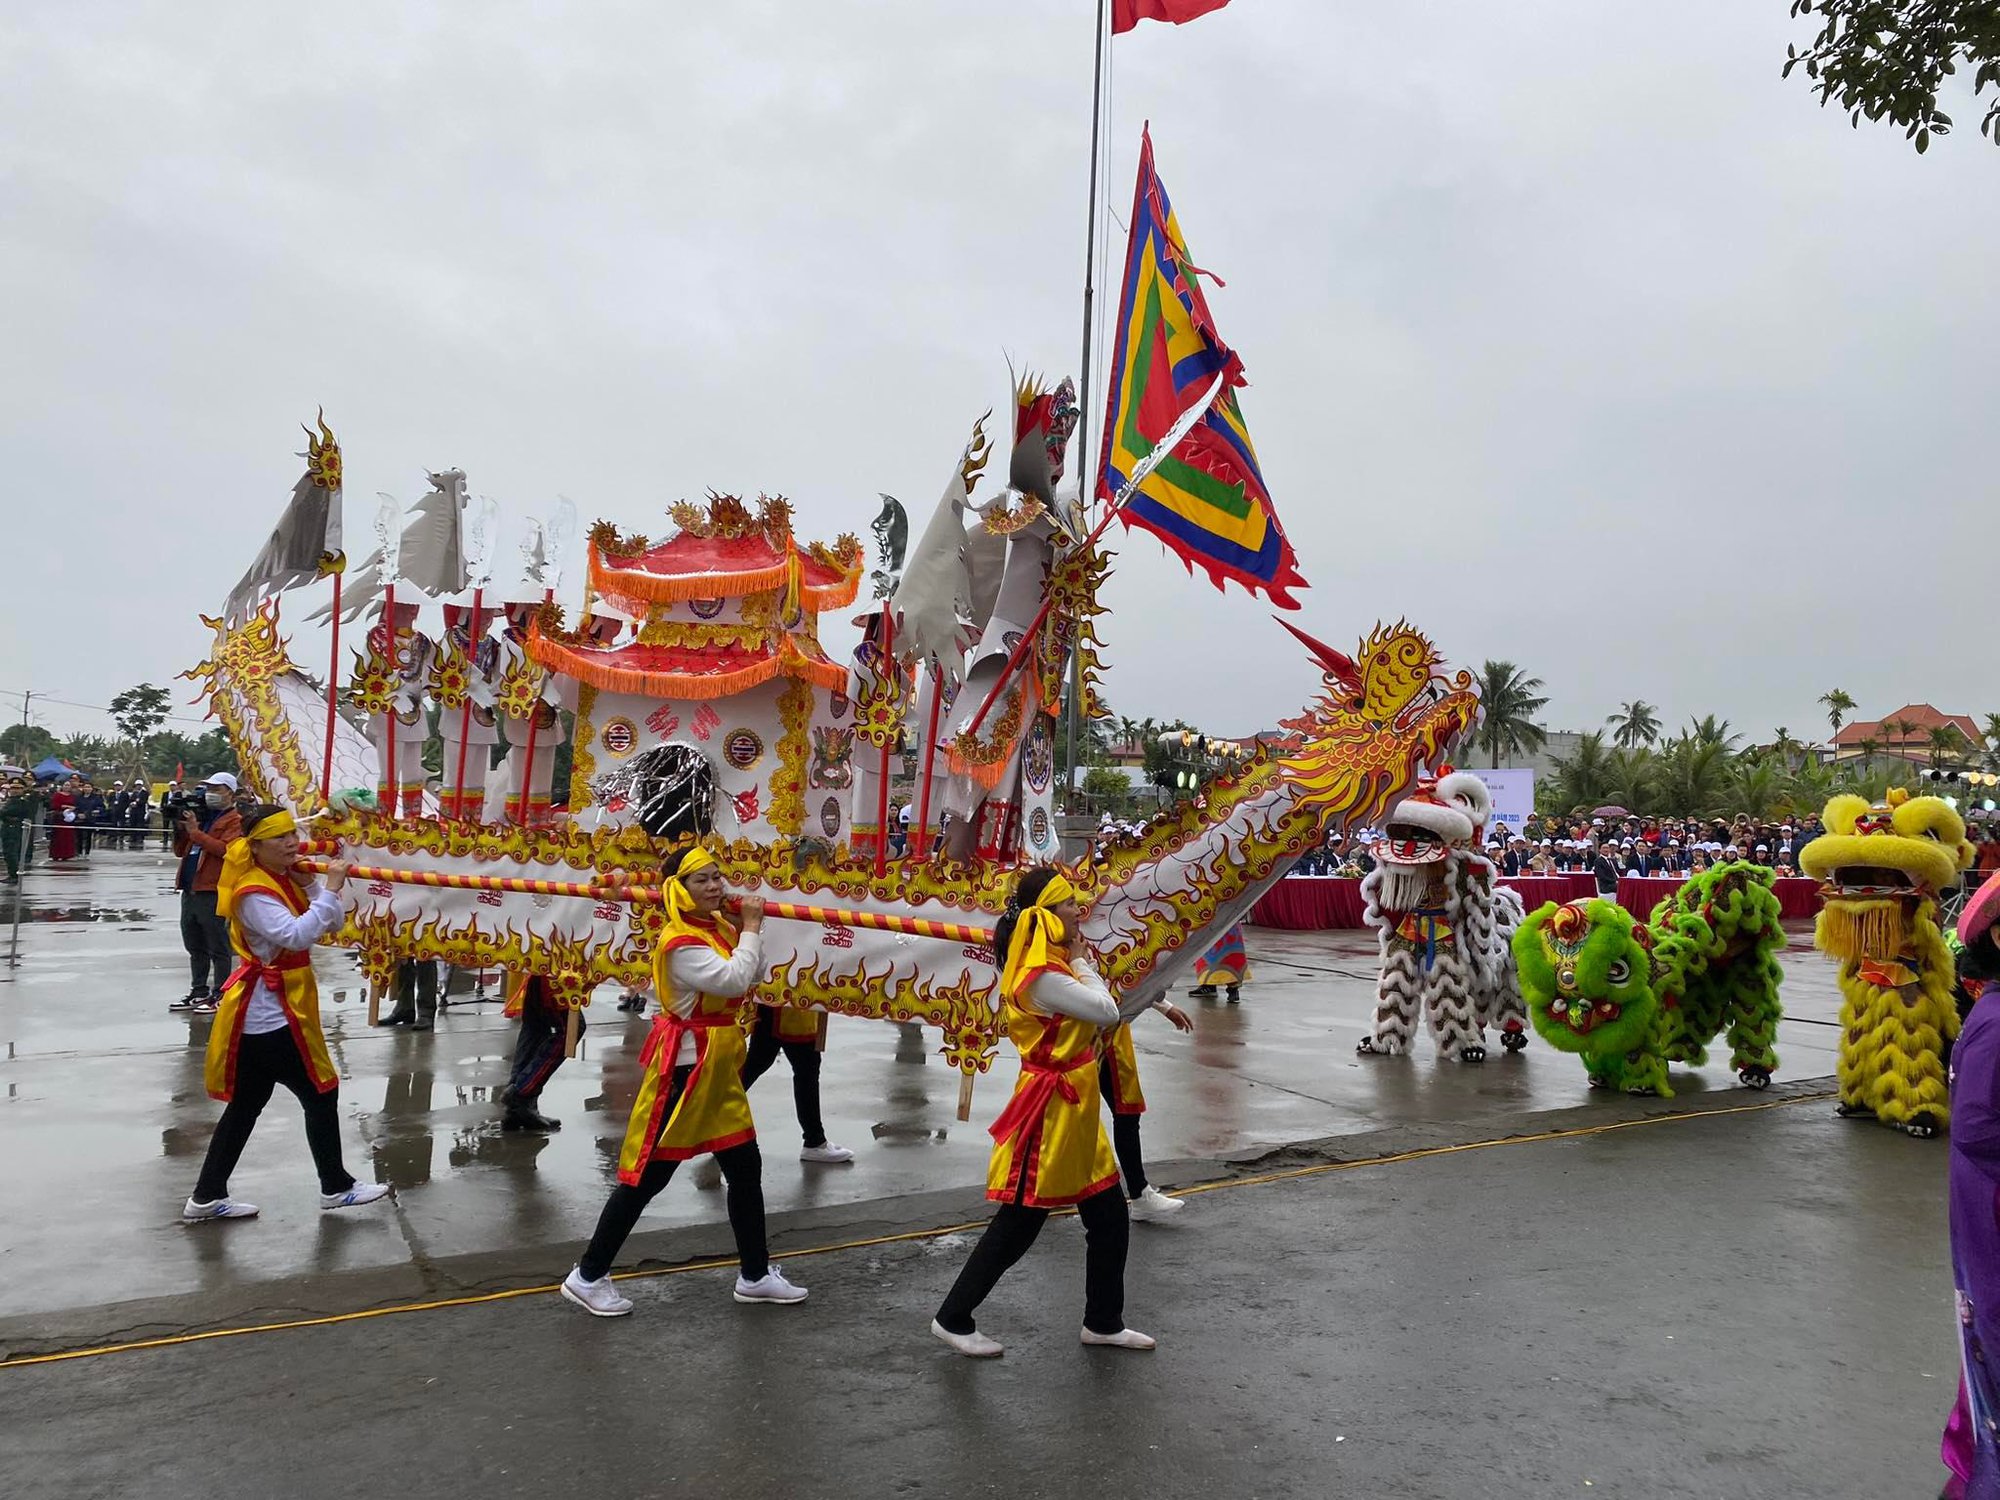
(1971, 1446)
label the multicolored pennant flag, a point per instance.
(1205, 496)
(1125, 14)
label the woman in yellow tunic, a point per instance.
(691, 1100)
(266, 1031)
(1049, 1146)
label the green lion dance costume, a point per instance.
(1883, 868)
(1630, 998)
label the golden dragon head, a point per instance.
(1880, 864)
(1384, 715)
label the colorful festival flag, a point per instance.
(1125, 14)
(1206, 499)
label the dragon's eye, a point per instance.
(1619, 972)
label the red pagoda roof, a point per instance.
(723, 551)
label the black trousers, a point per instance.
(416, 991)
(1124, 1134)
(264, 1063)
(83, 833)
(1107, 1229)
(763, 1050)
(743, 1171)
(206, 938)
(538, 1051)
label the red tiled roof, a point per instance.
(1923, 715)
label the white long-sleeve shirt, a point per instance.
(270, 929)
(698, 970)
(1083, 996)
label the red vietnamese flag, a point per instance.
(1125, 14)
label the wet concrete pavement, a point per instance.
(1736, 1305)
(103, 1111)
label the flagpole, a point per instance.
(395, 683)
(332, 688)
(465, 714)
(1084, 478)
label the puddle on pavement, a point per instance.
(82, 911)
(905, 1133)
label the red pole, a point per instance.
(395, 681)
(893, 677)
(465, 713)
(332, 688)
(923, 823)
(528, 757)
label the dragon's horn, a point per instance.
(1337, 664)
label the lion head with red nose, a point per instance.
(1443, 813)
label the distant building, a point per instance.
(1906, 733)
(1560, 745)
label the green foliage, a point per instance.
(1509, 699)
(1838, 707)
(1582, 779)
(26, 744)
(1636, 723)
(138, 711)
(1888, 59)
(197, 755)
(1106, 789)
(93, 755)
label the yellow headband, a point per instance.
(1038, 929)
(276, 825)
(237, 862)
(673, 890)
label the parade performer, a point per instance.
(539, 1050)
(1971, 1449)
(795, 1033)
(266, 1031)
(1883, 868)
(1432, 904)
(1118, 1079)
(1049, 1146)
(1226, 963)
(691, 1100)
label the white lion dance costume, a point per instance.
(1444, 927)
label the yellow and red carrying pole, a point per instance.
(793, 911)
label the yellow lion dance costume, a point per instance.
(1883, 868)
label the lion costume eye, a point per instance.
(1619, 972)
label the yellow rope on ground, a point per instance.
(1290, 1174)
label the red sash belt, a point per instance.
(260, 974)
(1046, 1081)
(668, 1029)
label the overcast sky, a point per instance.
(1574, 333)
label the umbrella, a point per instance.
(1612, 811)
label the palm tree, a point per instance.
(1582, 779)
(1693, 775)
(1636, 723)
(1906, 730)
(1785, 746)
(1709, 730)
(1508, 705)
(1990, 732)
(1753, 786)
(1868, 748)
(1838, 707)
(1629, 779)
(1806, 790)
(1947, 741)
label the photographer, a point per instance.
(204, 932)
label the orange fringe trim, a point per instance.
(790, 662)
(677, 588)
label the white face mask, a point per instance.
(215, 797)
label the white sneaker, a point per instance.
(354, 1197)
(1124, 1338)
(599, 1298)
(708, 1173)
(974, 1345)
(826, 1152)
(1154, 1204)
(772, 1287)
(221, 1208)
